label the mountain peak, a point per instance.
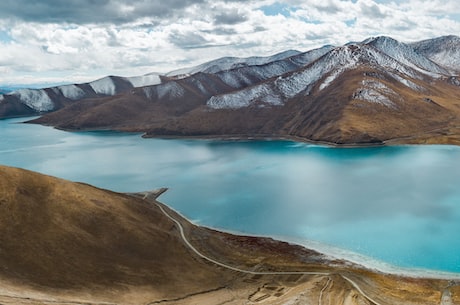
(407, 55)
(380, 39)
(444, 50)
(228, 63)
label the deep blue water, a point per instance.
(399, 204)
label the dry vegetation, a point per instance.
(71, 243)
(333, 115)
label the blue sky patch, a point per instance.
(5, 36)
(277, 9)
(350, 22)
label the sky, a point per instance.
(46, 42)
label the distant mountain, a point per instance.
(24, 101)
(229, 63)
(36, 101)
(376, 91)
(444, 51)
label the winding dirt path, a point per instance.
(209, 259)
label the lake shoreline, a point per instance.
(332, 252)
(406, 140)
(261, 161)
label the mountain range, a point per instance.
(375, 91)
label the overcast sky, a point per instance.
(51, 41)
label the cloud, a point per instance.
(371, 10)
(49, 39)
(231, 17)
(188, 39)
(91, 11)
(328, 6)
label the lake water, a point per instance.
(400, 205)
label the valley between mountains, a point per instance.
(70, 243)
(373, 92)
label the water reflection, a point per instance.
(399, 204)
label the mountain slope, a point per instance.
(406, 55)
(37, 101)
(72, 236)
(444, 51)
(337, 95)
(71, 243)
(229, 63)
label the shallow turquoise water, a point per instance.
(397, 204)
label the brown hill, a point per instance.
(62, 235)
(71, 243)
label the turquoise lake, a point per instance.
(399, 205)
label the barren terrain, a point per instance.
(70, 243)
(379, 91)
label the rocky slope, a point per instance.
(71, 243)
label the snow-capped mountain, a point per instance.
(373, 91)
(228, 63)
(406, 55)
(35, 101)
(444, 51)
(322, 72)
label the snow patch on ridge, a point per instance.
(448, 58)
(336, 74)
(36, 99)
(104, 86)
(245, 76)
(444, 51)
(285, 87)
(168, 90)
(408, 83)
(144, 80)
(228, 63)
(373, 96)
(72, 92)
(244, 98)
(234, 79)
(406, 55)
(330, 79)
(344, 58)
(368, 83)
(383, 60)
(375, 92)
(171, 90)
(149, 92)
(200, 86)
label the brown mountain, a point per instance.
(71, 243)
(372, 92)
(24, 101)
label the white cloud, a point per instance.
(133, 39)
